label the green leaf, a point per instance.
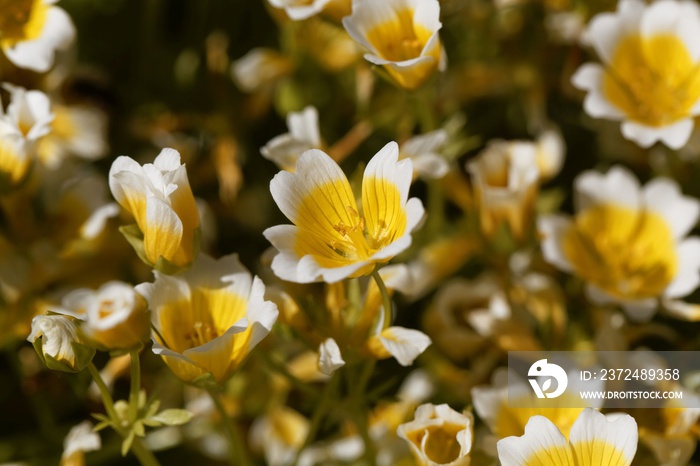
(128, 441)
(133, 235)
(173, 417)
(138, 429)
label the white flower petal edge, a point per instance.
(663, 196)
(329, 357)
(299, 12)
(38, 54)
(589, 77)
(404, 344)
(618, 186)
(616, 430)
(674, 136)
(540, 435)
(553, 228)
(81, 438)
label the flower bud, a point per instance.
(55, 339)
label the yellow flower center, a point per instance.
(21, 20)
(653, 80)
(626, 253)
(334, 232)
(400, 38)
(210, 313)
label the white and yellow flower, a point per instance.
(115, 316)
(400, 35)
(332, 238)
(650, 74)
(27, 118)
(595, 439)
(208, 318)
(439, 435)
(31, 31)
(79, 440)
(627, 242)
(303, 135)
(159, 197)
(75, 130)
(507, 404)
(298, 10)
(56, 340)
(505, 179)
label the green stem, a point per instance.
(386, 299)
(135, 385)
(143, 454)
(107, 400)
(359, 411)
(238, 455)
(319, 411)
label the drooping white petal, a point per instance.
(329, 357)
(404, 344)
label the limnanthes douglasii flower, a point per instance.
(401, 36)
(439, 435)
(626, 242)
(332, 238)
(650, 73)
(595, 439)
(208, 318)
(32, 30)
(159, 197)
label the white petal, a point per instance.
(682, 310)
(404, 344)
(329, 357)
(592, 426)
(674, 136)
(303, 126)
(314, 168)
(618, 186)
(641, 310)
(688, 276)
(554, 228)
(541, 438)
(38, 54)
(663, 196)
(81, 438)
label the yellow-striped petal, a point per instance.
(599, 440)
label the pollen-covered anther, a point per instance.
(202, 332)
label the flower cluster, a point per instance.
(337, 221)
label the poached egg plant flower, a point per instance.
(332, 238)
(32, 30)
(627, 242)
(596, 439)
(401, 36)
(159, 197)
(208, 318)
(650, 72)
